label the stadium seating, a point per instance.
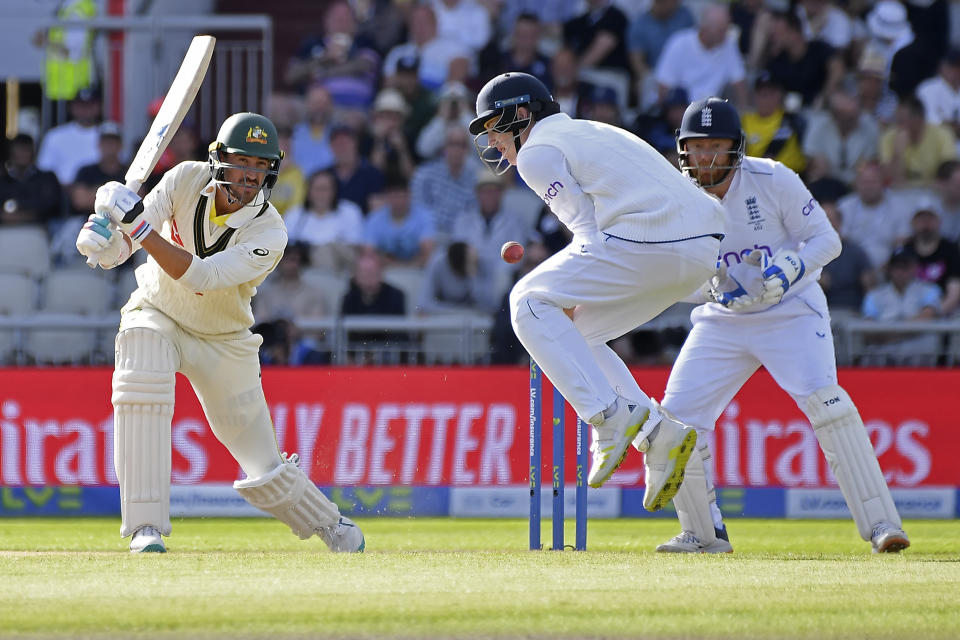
(24, 249)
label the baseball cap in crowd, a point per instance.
(766, 81)
(390, 100)
(604, 95)
(902, 256)
(408, 63)
(87, 94)
(110, 129)
(677, 96)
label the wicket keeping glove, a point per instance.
(780, 273)
(738, 287)
(99, 242)
(124, 207)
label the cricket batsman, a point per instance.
(211, 236)
(644, 236)
(766, 309)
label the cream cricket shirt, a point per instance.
(213, 297)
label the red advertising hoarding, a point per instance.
(461, 427)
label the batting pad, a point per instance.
(143, 393)
(848, 450)
(288, 495)
(693, 500)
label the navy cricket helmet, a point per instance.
(711, 118)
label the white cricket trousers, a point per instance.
(615, 285)
(225, 374)
(792, 340)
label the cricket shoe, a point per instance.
(612, 436)
(688, 542)
(343, 537)
(887, 538)
(147, 540)
(666, 447)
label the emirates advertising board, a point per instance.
(455, 441)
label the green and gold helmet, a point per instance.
(249, 134)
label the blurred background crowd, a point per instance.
(390, 213)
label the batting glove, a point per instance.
(124, 207)
(99, 242)
(780, 273)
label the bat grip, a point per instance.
(134, 185)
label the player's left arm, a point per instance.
(816, 241)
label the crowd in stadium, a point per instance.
(381, 177)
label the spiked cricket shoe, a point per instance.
(688, 542)
(612, 437)
(147, 540)
(887, 538)
(666, 448)
(343, 537)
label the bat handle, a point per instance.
(134, 185)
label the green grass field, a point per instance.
(444, 578)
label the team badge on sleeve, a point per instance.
(261, 252)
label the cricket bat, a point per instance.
(175, 106)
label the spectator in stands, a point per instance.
(659, 127)
(311, 137)
(28, 195)
(291, 186)
(552, 14)
(454, 109)
(810, 68)
(746, 15)
(368, 294)
(446, 186)
(454, 281)
(948, 191)
(567, 88)
(402, 231)
(913, 149)
(902, 297)
(602, 105)
(522, 52)
(463, 21)
(646, 37)
(332, 227)
(67, 147)
(285, 295)
(909, 60)
(488, 224)
(390, 148)
(771, 131)
(82, 193)
(873, 89)
(873, 216)
(705, 61)
(108, 168)
(840, 138)
(824, 20)
(340, 60)
(420, 100)
(358, 179)
(940, 95)
(938, 259)
(848, 277)
(434, 53)
(598, 37)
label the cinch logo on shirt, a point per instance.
(736, 257)
(552, 191)
(809, 207)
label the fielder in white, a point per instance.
(769, 310)
(212, 237)
(644, 237)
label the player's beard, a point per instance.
(244, 195)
